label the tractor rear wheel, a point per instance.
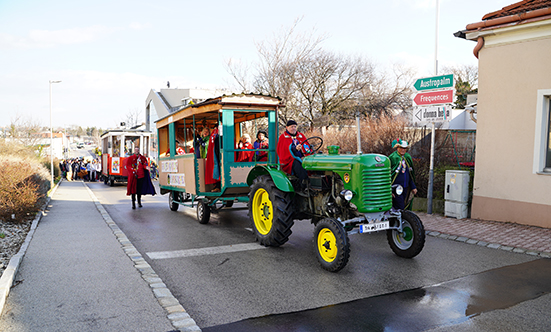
(331, 244)
(271, 212)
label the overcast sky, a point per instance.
(110, 54)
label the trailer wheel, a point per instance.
(203, 212)
(111, 181)
(271, 212)
(331, 244)
(171, 204)
(411, 240)
(105, 180)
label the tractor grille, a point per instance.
(376, 190)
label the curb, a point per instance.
(8, 276)
(176, 313)
(481, 243)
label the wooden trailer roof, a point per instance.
(207, 111)
(118, 132)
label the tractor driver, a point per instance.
(290, 150)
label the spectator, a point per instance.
(93, 170)
(261, 143)
(202, 143)
(98, 169)
(245, 144)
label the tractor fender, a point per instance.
(279, 177)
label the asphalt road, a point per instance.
(226, 281)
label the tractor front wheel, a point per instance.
(331, 244)
(271, 212)
(411, 240)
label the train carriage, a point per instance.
(117, 145)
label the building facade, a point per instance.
(513, 153)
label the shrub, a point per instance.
(377, 136)
(46, 164)
(23, 182)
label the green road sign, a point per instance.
(435, 82)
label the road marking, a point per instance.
(204, 251)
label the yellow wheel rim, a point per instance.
(327, 245)
(263, 211)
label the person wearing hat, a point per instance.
(291, 150)
(402, 173)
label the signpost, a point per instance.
(434, 97)
(427, 111)
(435, 82)
(439, 113)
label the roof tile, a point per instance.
(517, 8)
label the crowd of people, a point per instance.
(80, 169)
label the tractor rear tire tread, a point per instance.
(283, 213)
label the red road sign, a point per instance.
(435, 97)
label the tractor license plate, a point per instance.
(374, 227)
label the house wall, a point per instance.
(511, 71)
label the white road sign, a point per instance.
(440, 113)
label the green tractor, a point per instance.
(347, 194)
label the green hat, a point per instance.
(398, 143)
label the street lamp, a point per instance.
(51, 139)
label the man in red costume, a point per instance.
(291, 150)
(136, 165)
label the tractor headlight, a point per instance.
(347, 194)
(398, 189)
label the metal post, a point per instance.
(51, 139)
(51, 142)
(436, 38)
(358, 133)
(431, 173)
(431, 169)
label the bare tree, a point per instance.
(133, 117)
(239, 72)
(328, 84)
(389, 94)
(466, 82)
(26, 130)
(318, 87)
(464, 73)
(278, 61)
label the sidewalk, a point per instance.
(81, 273)
(517, 238)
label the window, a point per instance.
(542, 143)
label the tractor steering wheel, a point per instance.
(314, 143)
